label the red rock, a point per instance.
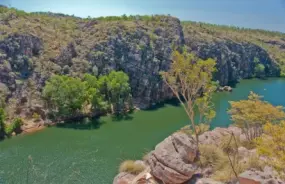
(172, 160)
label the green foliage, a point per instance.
(36, 116)
(259, 69)
(71, 95)
(66, 94)
(131, 166)
(118, 90)
(2, 122)
(271, 145)
(94, 95)
(190, 79)
(15, 126)
(253, 113)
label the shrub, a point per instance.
(36, 116)
(15, 126)
(132, 167)
(229, 146)
(259, 70)
(2, 123)
(271, 145)
(253, 113)
(212, 155)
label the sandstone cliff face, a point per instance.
(235, 60)
(140, 48)
(142, 56)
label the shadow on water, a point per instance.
(85, 124)
(123, 117)
(173, 102)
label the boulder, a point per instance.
(202, 181)
(268, 176)
(172, 160)
(124, 178)
(215, 136)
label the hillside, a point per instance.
(37, 45)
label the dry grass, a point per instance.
(210, 155)
(223, 171)
(132, 167)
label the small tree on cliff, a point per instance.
(190, 79)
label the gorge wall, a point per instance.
(37, 45)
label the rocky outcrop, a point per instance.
(16, 63)
(142, 55)
(235, 60)
(124, 178)
(175, 161)
(268, 176)
(215, 136)
(172, 161)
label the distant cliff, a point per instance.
(37, 45)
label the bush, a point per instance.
(36, 117)
(212, 155)
(2, 123)
(259, 70)
(132, 167)
(15, 126)
(271, 145)
(253, 113)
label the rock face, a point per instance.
(142, 57)
(235, 60)
(140, 48)
(124, 178)
(172, 160)
(215, 136)
(268, 176)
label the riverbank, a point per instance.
(92, 153)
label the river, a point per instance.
(92, 154)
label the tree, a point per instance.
(65, 94)
(118, 90)
(259, 69)
(253, 113)
(271, 145)
(94, 95)
(189, 78)
(2, 123)
(31, 88)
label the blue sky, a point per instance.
(264, 14)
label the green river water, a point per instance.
(92, 154)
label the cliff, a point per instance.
(37, 45)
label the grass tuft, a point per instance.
(132, 167)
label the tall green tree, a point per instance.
(190, 80)
(94, 95)
(65, 94)
(118, 90)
